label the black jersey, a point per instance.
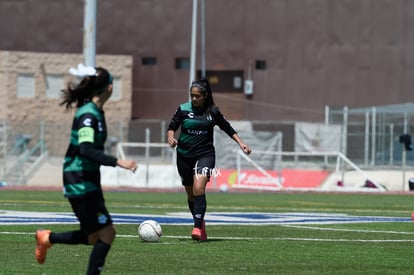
(197, 129)
(85, 153)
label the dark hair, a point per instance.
(205, 88)
(88, 87)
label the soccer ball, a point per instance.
(150, 231)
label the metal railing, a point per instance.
(26, 164)
(341, 163)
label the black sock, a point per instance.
(70, 237)
(191, 206)
(200, 206)
(97, 258)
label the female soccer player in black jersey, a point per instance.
(81, 176)
(195, 150)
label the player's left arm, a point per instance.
(87, 149)
(245, 148)
(226, 127)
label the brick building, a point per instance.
(302, 55)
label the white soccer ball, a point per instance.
(150, 231)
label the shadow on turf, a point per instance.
(209, 240)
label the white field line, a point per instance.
(346, 230)
(259, 239)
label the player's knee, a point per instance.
(93, 238)
(108, 234)
(198, 193)
(199, 190)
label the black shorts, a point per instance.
(187, 168)
(91, 212)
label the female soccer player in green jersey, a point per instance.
(81, 175)
(195, 150)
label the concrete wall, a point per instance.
(352, 53)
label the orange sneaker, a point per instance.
(43, 244)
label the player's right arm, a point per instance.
(86, 137)
(127, 164)
(88, 148)
(172, 127)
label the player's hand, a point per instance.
(172, 142)
(245, 148)
(127, 164)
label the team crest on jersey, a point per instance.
(102, 218)
(191, 115)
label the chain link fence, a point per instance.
(370, 136)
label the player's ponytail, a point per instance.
(88, 87)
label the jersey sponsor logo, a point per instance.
(197, 132)
(87, 122)
(191, 115)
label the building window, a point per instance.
(148, 61)
(260, 65)
(25, 86)
(54, 85)
(237, 82)
(182, 63)
(116, 88)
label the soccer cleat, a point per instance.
(199, 234)
(196, 234)
(43, 244)
(412, 216)
(203, 232)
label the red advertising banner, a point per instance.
(253, 179)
